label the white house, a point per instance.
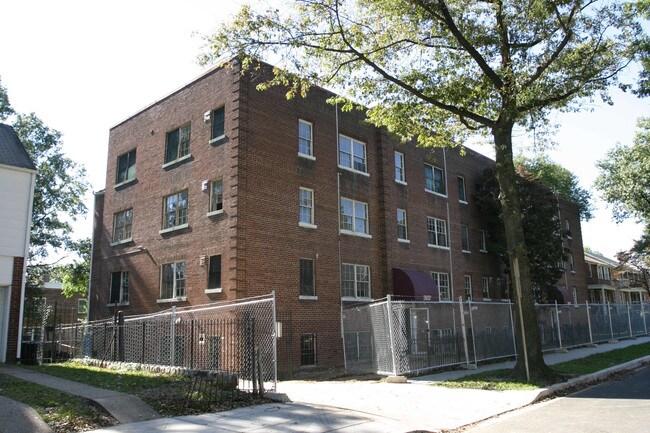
(17, 180)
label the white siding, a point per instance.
(6, 268)
(15, 196)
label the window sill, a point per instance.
(169, 300)
(308, 298)
(209, 291)
(214, 213)
(123, 241)
(307, 225)
(462, 201)
(119, 304)
(435, 193)
(438, 247)
(177, 161)
(403, 241)
(217, 139)
(362, 173)
(487, 299)
(309, 157)
(401, 182)
(466, 251)
(353, 299)
(482, 251)
(173, 229)
(359, 235)
(125, 183)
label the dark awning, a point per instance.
(414, 285)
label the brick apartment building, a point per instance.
(218, 191)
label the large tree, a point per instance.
(439, 70)
(559, 180)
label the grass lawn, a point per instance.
(499, 379)
(62, 412)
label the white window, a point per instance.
(125, 167)
(464, 239)
(305, 140)
(572, 266)
(437, 232)
(352, 154)
(482, 245)
(177, 145)
(216, 196)
(354, 217)
(567, 227)
(603, 273)
(119, 287)
(589, 270)
(442, 283)
(355, 281)
(399, 168)
(172, 280)
(402, 231)
(82, 306)
(175, 210)
(462, 197)
(306, 207)
(468, 287)
(218, 123)
(307, 285)
(486, 287)
(434, 180)
(122, 226)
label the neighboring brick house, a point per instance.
(608, 281)
(236, 193)
(17, 179)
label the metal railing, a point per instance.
(409, 337)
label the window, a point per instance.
(172, 281)
(402, 232)
(307, 207)
(464, 238)
(352, 154)
(125, 167)
(399, 168)
(307, 287)
(437, 232)
(434, 180)
(462, 197)
(175, 211)
(486, 287)
(482, 246)
(122, 226)
(307, 349)
(442, 283)
(178, 143)
(355, 281)
(214, 273)
(82, 306)
(216, 196)
(603, 272)
(572, 266)
(305, 138)
(119, 287)
(354, 216)
(567, 227)
(589, 270)
(218, 122)
(468, 287)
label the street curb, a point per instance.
(592, 377)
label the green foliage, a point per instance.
(542, 232)
(624, 178)
(643, 89)
(559, 180)
(76, 276)
(5, 106)
(638, 257)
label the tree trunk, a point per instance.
(516, 244)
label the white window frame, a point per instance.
(352, 155)
(210, 262)
(482, 241)
(404, 239)
(347, 219)
(178, 293)
(572, 266)
(213, 116)
(182, 153)
(178, 211)
(309, 206)
(356, 281)
(468, 286)
(437, 224)
(82, 306)
(400, 174)
(485, 282)
(433, 180)
(464, 231)
(461, 180)
(442, 283)
(127, 178)
(308, 140)
(116, 239)
(311, 295)
(217, 197)
(567, 227)
(124, 289)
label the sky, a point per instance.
(84, 66)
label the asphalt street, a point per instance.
(614, 406)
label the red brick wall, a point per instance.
(14, 310)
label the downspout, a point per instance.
(30, 208)
(92, 256)
(338, 213)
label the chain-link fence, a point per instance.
(234, 338)
(407, 336)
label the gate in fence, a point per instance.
(396, 337)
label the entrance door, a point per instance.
(4, 304)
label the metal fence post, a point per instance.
(463, 328)
(512, 327)
(172, 350)
(390, 331)
(275, 344)
(611, 327)
(120, 336)
(591, 335)
(645, 326)
(559, 327)
(471, 324)
(144, 339)
(629, 320)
